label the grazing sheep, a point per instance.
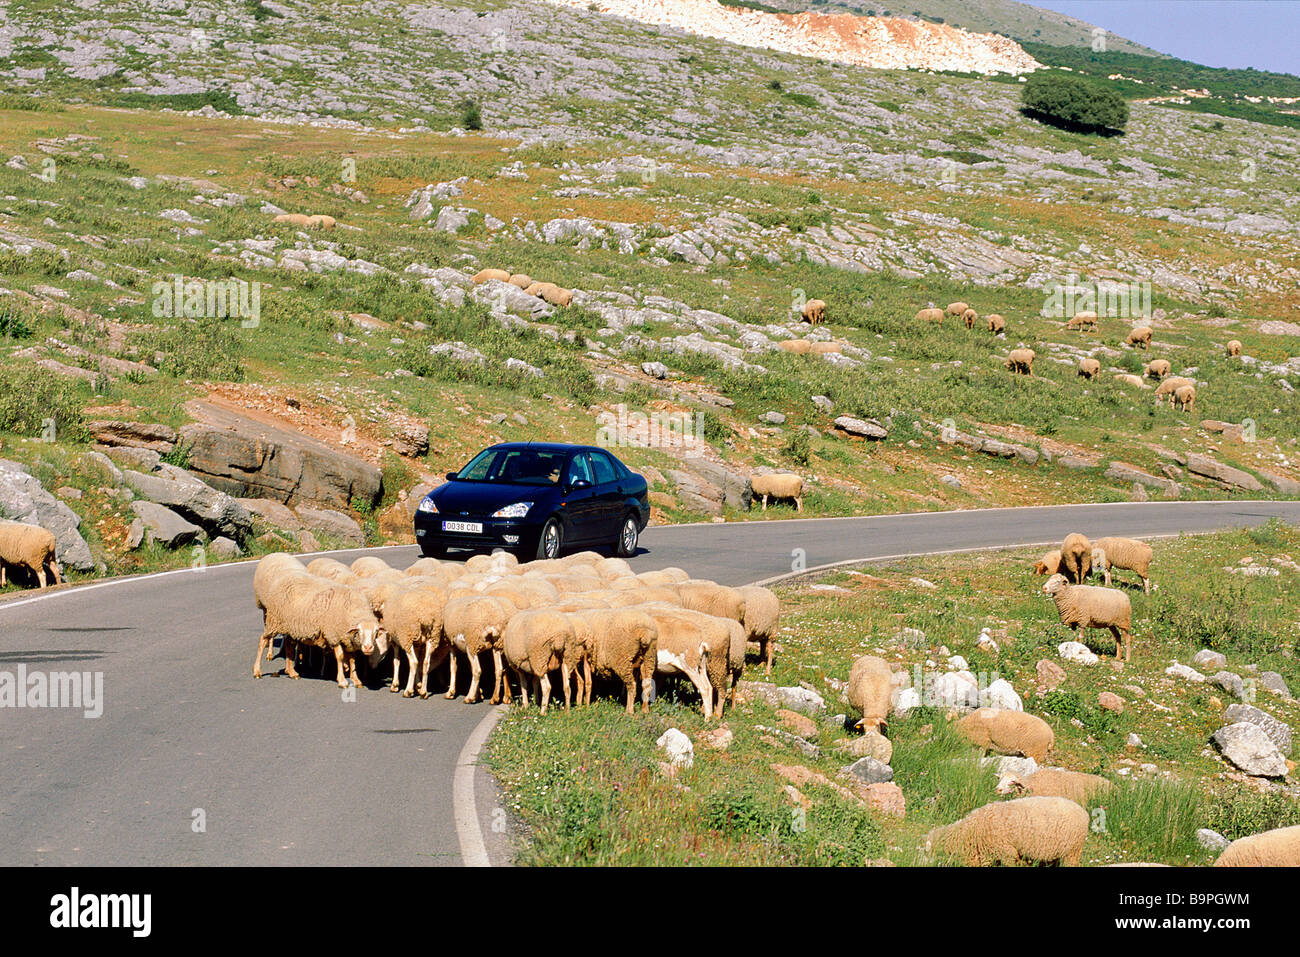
(30, 547)
(1022, 361)
(533, 644)
(369, 566)
(555, 295)
(1087, 606)
(1049, 564)
(1171, 385)
(712, 599)
(1130, 379)
(996, 323)
(778, 485)
(483, 275)
(1076, 557)
(870, 690)
(1082, 321)
(930, 315)
(521, 280)
(332, 569)
(320, 221)
(1129, 553)
(413, 618)
(307, 610)
(969, 317)
(1139, 336)
(956, 309)
(425, 566)
(1234, 347)
(1057, 782)
(798, 347)
(1089, 368)
(762, 611)
(294, 219)
(622, 643)
(1008, 732)
(814, 312)
(825, 348)
(1029, 830)
(1279, 847)
(1157, 369)
(735, 666)
(474, 624)
(1185, 398)
(306, 222)
(692, 644)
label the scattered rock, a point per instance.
(1050, 675)
(1211, 840)
(1248, 747)
(1109, 701)
(162, 525)
(801, 699)
(678, 747)
(1207, 659)
(1278, 731)
(868, 770)
(1076, 651)
(1182, 671)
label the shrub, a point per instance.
(1074, 103)
(14, 325)
(30, 396)
(202, 349)
(798, 447)
(470, 116)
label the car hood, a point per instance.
(474, 498)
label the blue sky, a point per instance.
(1264, 34)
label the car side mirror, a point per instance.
(452, 476)
(577, 484)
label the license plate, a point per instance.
(475, 527)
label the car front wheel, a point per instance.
(548, 545)
(625, 547)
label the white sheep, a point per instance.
(956, 309)
(1087, 606)
(1234, 347)
(1075, 786)
(533, 644)
(1279, 847)
(1029, 830)
(870, 690)
(474, 624)
(1049, 564)
(1129, 553)
(1089, 368)
(692, 644)
(30, 547)
(930, 315)
(699, 594)
(1185, 398)
(1021, 361)
(413, 619)
(996, 323)
(1171, 385)
(621, 643)
(1139, 336)
(307, 610)
(368, 566)
(1008, 732)
(332, 569)
(778, 485)
(1076, 557)
(762, 612)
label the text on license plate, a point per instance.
(476, 527)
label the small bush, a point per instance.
(798, 447)
(30, 396)
(471, 118)
(1246, 812)
(206, 349)
(1073, 102)
(14, 325)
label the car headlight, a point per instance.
(427, 506)
(517, 510)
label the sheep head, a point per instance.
(1054, 585)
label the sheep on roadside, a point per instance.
(672, 575)
(969, 317)
(996, 323)
(1157, 369)
(1082, 321)
(870, 692)
(310, 611)
(813, 312)
(424, 566)
(1130, 379)
(369, 566)
(521, 280)
(1029, 830)
(332, 569)
(762, 612)
(1185, 398)
(1234, 347)
(270, 568)
(1049, 564)
(1171, 385)
(778, 485)
(413, 619)
(798, 347)
(1074, 786)
(474, 624)
(1008, 732)
(1088, 606)
(483, 275)
(1129, 553)
(1089, 368)
(956, 309)
(1021, 361)
(31, 547)
(1076, 557)
(1139, 336)
(533, 644)
(712, 599)
(622, 643)
(692, 644)
(1279, 847)
(930, 315)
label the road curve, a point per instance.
(284, 772)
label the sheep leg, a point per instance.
(290, 649)
(629, 685)
(413, 663)
(798, 504)
(765, 503)
(2, 574)
(1146, 585)
(352, 669)
(54, 567)
(340, 662)
(500, 680)
(451, 687)
(544, 695)
(587, 680)
(768, 644)
(40, 575)
(262, 645)
(475, 672)
(647, 682)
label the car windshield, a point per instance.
(514, 467)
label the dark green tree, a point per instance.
(1074, 103)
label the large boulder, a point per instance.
(24, 499)
(216, 512)
(1234, 478)
(162, 525)
(334, 525)
(139, 435)
(264, 462)
(1249, 747)
(1279, 732)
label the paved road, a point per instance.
(287, 772)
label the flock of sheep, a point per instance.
(555, 295)
(1088, 606)
(584, 616)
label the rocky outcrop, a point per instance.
(161, 525)
(24, 499)
(1229, 476)
(216, 512)
(137, 435)
(333, 525)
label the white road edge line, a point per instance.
(469, 830)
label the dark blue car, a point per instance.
(535, 499)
